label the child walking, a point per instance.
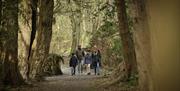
(73, 63)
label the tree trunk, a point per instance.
(10, 74)
(75, 20)
(44, 35)
(24, 36)
(0, 11)
(33, 34)
(1, 48)
(74, 35)
(127, 40)
(142, 42)
(163, 21)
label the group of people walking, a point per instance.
(85, 61)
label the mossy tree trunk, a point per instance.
(10, 74)
(127, 39)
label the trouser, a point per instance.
(97, 69)
(73, 70)
(88, 66)
(80, 67)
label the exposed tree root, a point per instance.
(118, 75)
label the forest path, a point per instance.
(66, 82)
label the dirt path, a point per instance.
(65, 82)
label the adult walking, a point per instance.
(80, 56)
(96, 62)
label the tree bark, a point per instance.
(44, 34)
(142, 42)
(1, 48)
(75, 20)
(10, 74)
(74, 35)
(24, 35)
(127, 40)
(33, 34)
(0, 10)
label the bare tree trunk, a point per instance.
(163, 29)
(75, 20)
(142, 42)
(33, 34)
(127, 40)
(10, 74)
(44, 35)
(24, 35)
(74, 35)
(0, 10)
(1, 46)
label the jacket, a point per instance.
(73, 61)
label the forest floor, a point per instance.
(66, 82)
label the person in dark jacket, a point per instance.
(73, 63)
(80, 56)
(96, 62)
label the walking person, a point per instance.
(96, 62)
(73, 63)
(80, 55)
(88, 62)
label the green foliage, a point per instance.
(106, 37)
(108, 34)
(107, 30)
(133, 80)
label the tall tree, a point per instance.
(10, 74)
(142, 41)
(34, 5)
(75, 21)
(127, 40)
(0, 9)
(44, 34)
(0, 42)
(24, 35)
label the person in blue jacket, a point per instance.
(88, 62)
(73, 63)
